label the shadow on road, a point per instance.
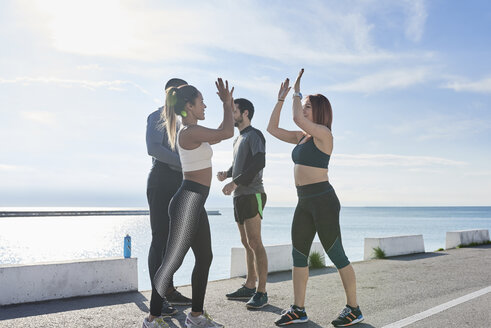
(71, 304)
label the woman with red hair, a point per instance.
(318, 206)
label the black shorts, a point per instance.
(248, 206)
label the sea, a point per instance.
(26, 240)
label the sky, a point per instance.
(409, 83)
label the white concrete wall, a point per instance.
(279, 258)
(465, 237)
(54, 280)
(394, 245)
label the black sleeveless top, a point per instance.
(308, 154)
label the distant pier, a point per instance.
(81, 213)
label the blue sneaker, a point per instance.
(259, 300)
(349, 316)
(292, 315)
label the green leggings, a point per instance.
(317, 212)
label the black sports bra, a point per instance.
(308, 154)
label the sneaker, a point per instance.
(201, 321)
(156, 323)
(292, 315)
(349, 316)
(258, 301)
(243, 293)
(176, 298)
(167, 309)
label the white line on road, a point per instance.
(437, 309)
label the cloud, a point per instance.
(416, 19)
(393, 79)
(116, 85)
(480, 86)
(43, 117)
(379, 160)
(442, 127)
(15, 168)
(198, 31)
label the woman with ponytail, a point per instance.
(189, 227)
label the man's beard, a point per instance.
(236, 123)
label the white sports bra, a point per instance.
(194, 159)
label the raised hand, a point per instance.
(225, 95)
(284, 89)
(297, 81)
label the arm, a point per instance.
(155, 147)
(317, 131)
(274, 120)
(258, 162)
(197, 134)
(214, 142)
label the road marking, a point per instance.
(437, 309)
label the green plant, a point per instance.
(379, 253)
(439, 250)
(316, 260)
(487, 242)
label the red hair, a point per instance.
(321, 110)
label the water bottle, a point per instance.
(127, 247)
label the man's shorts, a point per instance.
(248, 206)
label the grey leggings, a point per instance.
(317, 212)
(189, 228)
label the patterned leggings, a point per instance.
(189, 228)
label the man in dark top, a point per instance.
(249, 200)
(163, 181)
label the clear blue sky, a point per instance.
(409, 81)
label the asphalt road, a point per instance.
(390, 290)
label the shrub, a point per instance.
(379, 253)
(316, 260)
(487, 242)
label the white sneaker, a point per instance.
(156, 323)
(201, 321)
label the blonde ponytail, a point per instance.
(169, 116)
(175, 102)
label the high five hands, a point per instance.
(296, 88)
(225, 95)
(284, 89)
(285, 86)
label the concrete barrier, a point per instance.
(465, 237)
(55, 280)
(394, 245)
(279, 258)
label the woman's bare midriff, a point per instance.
(202, 176)
(305, 175)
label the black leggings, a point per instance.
(317, 211)
(162, 184)
(189, 228)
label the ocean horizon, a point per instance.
(25, 240)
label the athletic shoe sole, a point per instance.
(256, 307)
(179, 303)
(293, 321)
(351, 323)
(238, 298)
